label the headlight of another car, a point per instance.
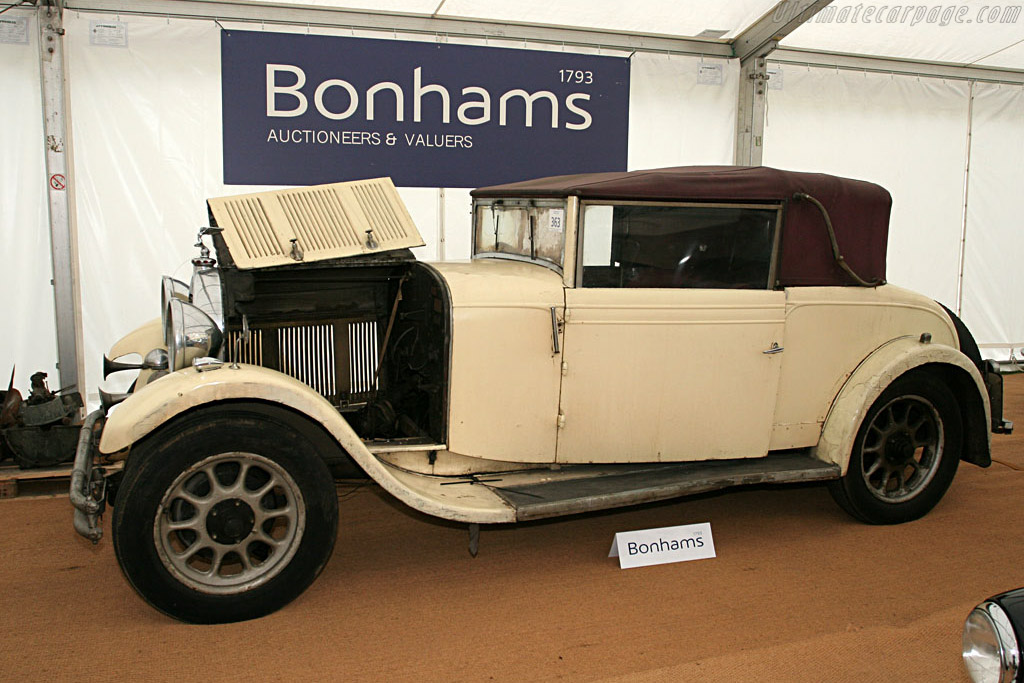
(171, 289)
(991, 650)
(191, 334)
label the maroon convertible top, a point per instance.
(859, 210)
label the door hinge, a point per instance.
(565, 369)
(561, 420)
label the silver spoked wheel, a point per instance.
(902, 449)
(229, 523)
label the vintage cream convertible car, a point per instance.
(617, 338)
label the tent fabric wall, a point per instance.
(30, 339)
(907, 134)
(147, 128)
(674, 119)
(910, 135)
(993, 278)
(147, 147)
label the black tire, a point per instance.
(260, 526)
(905, 455)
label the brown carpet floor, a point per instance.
(798, 592)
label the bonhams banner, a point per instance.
(302, 109)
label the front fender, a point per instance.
(868, 382)
(141, 340)
(165, 398)
(173, 394)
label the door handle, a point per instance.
(774, 349)
(554, 331)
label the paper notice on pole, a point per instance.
(710, 74)
(14, 30)
(775, 78)
(108, 33)
(662, 546)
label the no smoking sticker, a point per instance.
(57, 181)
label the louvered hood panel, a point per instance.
(314, 223)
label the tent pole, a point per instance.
(63, 242)
(967, 187)
(752, 47)
(441, 236)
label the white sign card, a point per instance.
(775, 78)
(13, 30)
(662, 546)
(108, 33)
(710, 74)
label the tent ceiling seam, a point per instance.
(1002, 49)
(882, 65)
(324, 17)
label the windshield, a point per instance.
(521, 229)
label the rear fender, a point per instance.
(872, 377)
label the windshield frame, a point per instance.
(568, 230)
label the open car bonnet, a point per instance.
(306, 224)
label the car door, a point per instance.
(673, 336)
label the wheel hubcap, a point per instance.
(902, 449)
(899, 449)
(229, 523)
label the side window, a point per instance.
(720, 247)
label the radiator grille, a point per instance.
(363, 357)
(242, 351)
(337, 359)
(306, 353)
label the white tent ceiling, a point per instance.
(665, 17)
(974, 32)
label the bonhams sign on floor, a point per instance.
(661, 546)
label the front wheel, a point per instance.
(227, 516)
(905, 455)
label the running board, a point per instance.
(588, 488)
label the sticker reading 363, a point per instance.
(556, 220)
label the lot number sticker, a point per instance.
(556, 220)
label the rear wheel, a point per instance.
(227, 516)
(905, 454)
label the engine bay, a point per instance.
(371, 334)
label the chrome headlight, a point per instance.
(991, 651)
(171, 289)
(191, 334)
(205, 293)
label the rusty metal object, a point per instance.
(10, 403)
(39, 431)
(44, 407)
(42, 446)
